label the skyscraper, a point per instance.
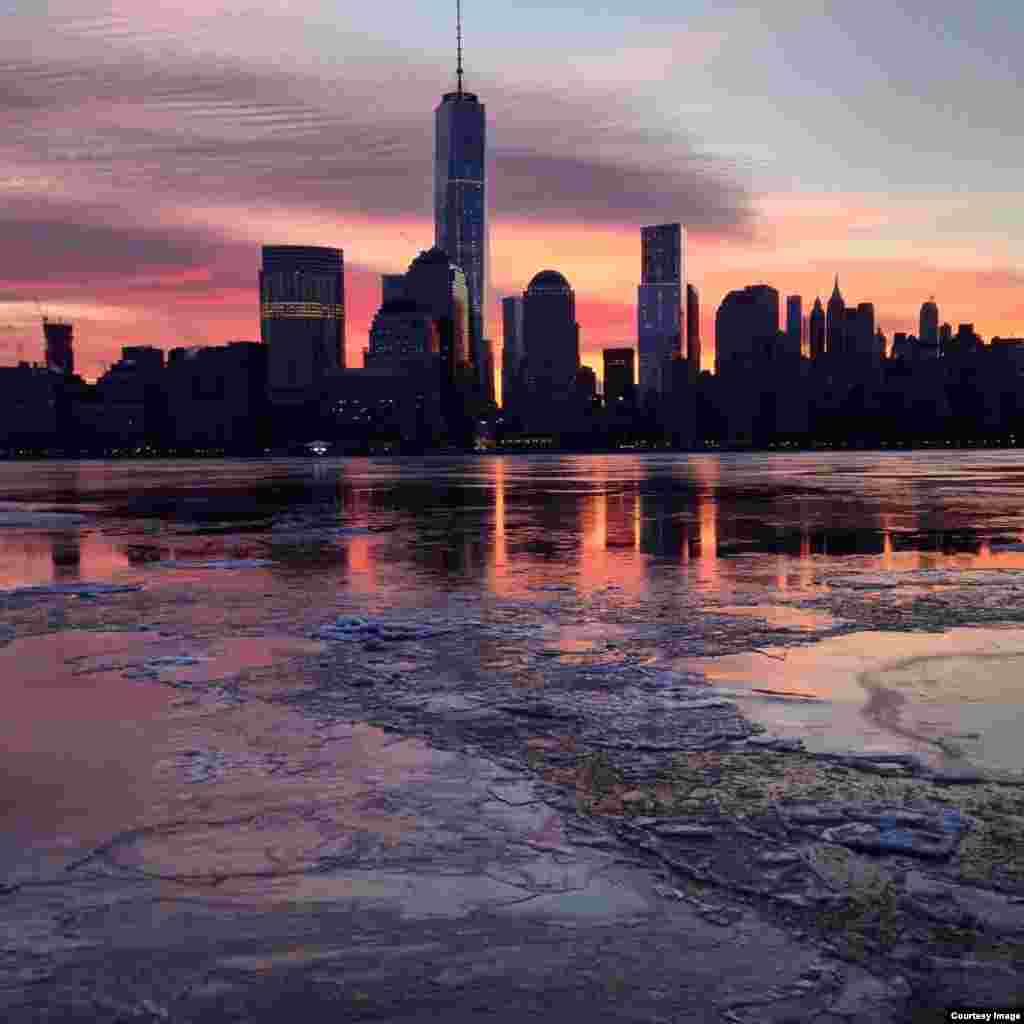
(746, 328)
(438, 286)
(659, 302)
(816, 330)
(693, 328)
(619, 376)
(512, 351)
(928, 330)
(551, 339)
(302, 318)
(835, 323)
(460, 206)
(865, 344)
(794, 324)
(60, 353)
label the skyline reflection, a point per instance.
(508, 525)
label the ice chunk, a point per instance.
(215, 563)
(81, 589)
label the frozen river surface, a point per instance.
(317, 682)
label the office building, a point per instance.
(865, 346)
(460, 208)
(60, 354)
(302, 319)
(835, 323)
(619, 377)
(217, 397)
(435, 285)
(816, 330)
(794, 324)
(693, 353)
(945, 337)
(586, 383)
(402, 332)
(392, 286)
(551, 340)
(746, 328)
(513, 355)
(928, 329)
(659, 303)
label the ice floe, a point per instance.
(26, 519)
(80, 589)
(354, 627)
(215, 563)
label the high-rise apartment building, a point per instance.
(302, 318)
(460, 207)
(60, 353)
(659, 302)
(619, 376)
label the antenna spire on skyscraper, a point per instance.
(458, 40)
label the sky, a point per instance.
(148, 148)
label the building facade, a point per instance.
(513, 355)
(746, 328)
(460, 212)
(619, 377)
(659, 303)
(60, 353)
(794, 324)
(302, 319)
(928, 328)
(551, 340)
(693, 353)
(835, 323)
(816, 331)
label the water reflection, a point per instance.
(503, 524)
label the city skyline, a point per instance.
(144, 226)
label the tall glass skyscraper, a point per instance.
(660, 302)
(460, 207)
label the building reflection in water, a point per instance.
(66, 555)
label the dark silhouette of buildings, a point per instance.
(746, 328)
(401, 331)
(816, 331)
(693, 329)
(945, 337)
(835, 323)
(551, 341)
(460, 209)
(217, 397)
(60, 353)
(302, 323)
(619, 377)
(438, 287)
(513, 355)
(659, 303)
(928, 330)
(794, 323)
(421, 338)
(126, 408)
